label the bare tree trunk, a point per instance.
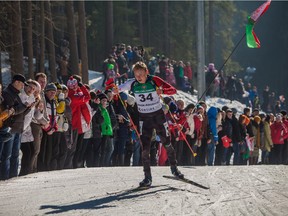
(30, 40)
(50, 43)
(42, 37)
(166, 29)
(149, 24)
(17, 52)
(211, 55)
(1, 81)
(140, 20)
(83, 40)
(74, 59)
(109, 26)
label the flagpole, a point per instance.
(222, 66)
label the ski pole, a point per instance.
(180, 129)
(133, 125)
(222, 66)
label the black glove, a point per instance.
(80, 84)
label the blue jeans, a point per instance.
(10, 157)
(136, 152)
(107, 148)
(236, 150)
(211, 153)
(4, 137)
(224, 156)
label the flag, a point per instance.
(252, 40)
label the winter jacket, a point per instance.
(197, 123)
(212, 117)
(258, 141)
(62, 121)
(29, 113)
(27, 135)
(4, 113)
(43, 119)
(80, 110)
(181, 72)
(188, 72)
(12, 100)
(51, 111)
(243, 132)
(205, 131)
(249, 126)
(267, 137)
(119, 109)
(106, 126)
(236, 136)
(285, 122)
(122, 64)
(97, 121)
(182, 120)
(278, 133)
(112, 115)
(228, 128)
(191, 124)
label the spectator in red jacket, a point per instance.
(81, 118)
(182, 129)
(188, 72)
(279, 133)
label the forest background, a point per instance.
(34, 31)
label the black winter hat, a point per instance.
(50, 87)
(102, 96)
(21, 78)
(283, 112)
(167, 100)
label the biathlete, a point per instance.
(147, 90)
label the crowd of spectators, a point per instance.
(68, 125)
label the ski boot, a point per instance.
(176, 172)
(146, 182)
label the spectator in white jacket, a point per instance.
(27, 97)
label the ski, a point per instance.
(187, 181)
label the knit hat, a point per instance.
(167, 100)
(283, 112)
(93, 95)
(229, 110)
(110, 66)
(72, 83)
(255, 110)
(64, 87)
(262, 115)
(102, 96)
(58, 86)
(173, 107)
(123, 96)
(257, 119)
(224, 108)
(247, 120)
(107, 91)
(50, 87)
(109, 84)
(279, 116)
